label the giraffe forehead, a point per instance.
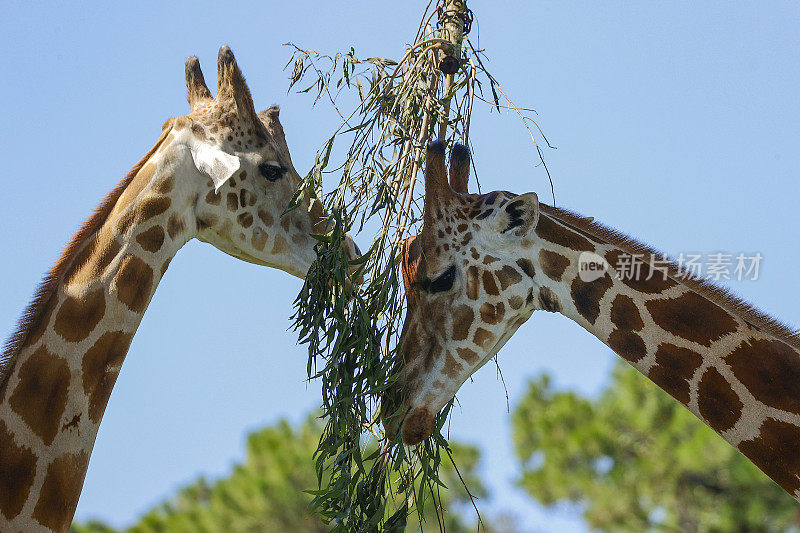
(457, 224)
(221, 127)
(482, 206)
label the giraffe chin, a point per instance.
(417, 426)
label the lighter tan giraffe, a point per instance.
(222, 174)
(483, 263)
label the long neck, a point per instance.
(60, 378)
(732, 366)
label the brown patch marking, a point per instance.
(692, 317)
(527, 267)
(489, 285)
(548, 300)
(136, 186)
(482, 336)
(776, 451)
(451, 367)
(587, 296)
(199, 131)
(17, 470)
(507, 276)
(473, 283)
(76, 318)
(259, 241)
(629, 346)
(134, 281)
(213, 197)
(41, 393)
(233, 201)
(164, 184)
(553, 264)
(152, 207)
(317, 217)
(152, 239)
(492, 314)
(60, 491)
(93, 259)
(467, 355)
(418, 426)
(771, 372)
(639, 282)
(243, 197)
(625, 315)
(674, 368)
(551, 231)
(717, 401)
(206, 221)
(266, 217)
(462, 320)
(280, 246)
(175, 225)
(101, 366)
(245, 220)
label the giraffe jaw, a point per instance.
(296, 264)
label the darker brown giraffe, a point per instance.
(483, 263)
(222, 174)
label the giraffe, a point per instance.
(482, 264)
(222, 174)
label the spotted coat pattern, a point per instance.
(735, 368)
(58, 371)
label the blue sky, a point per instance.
(675, 122)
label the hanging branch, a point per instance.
(352, 332)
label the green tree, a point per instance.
(634, 459)
(265, 492)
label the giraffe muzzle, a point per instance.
(417, 426)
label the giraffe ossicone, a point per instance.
(222, 174)
(483, 264)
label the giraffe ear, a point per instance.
(214, 163)
(519, 216)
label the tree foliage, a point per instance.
(634, 459)
(390, 110)
(266, 492)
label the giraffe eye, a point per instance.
(272, 172)
(444, 282)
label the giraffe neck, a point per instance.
(733, 367)
(58, 383)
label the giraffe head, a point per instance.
(241, 174)
(467, 287)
